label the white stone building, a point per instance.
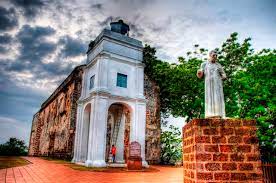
(112, 105)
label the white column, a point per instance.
(84, 83)
(97, 139)
(76, 157)
(140, 81)
(141, 129)
(88, 161)
(103, 73)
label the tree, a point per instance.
(171, 149)
(13, 147)
(249, 90)
(257, 88)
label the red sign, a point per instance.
(135, 149)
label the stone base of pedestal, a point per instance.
(134, 163)
(221, 150)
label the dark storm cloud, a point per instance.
(27, 32)
(8, 19)
(3, 49)
(72, 47)
(30, 7)
(134, 2)
(34, 46)
(110, 19)
(5, 39)
(136, 31)
(12, 96)
(55, 69)
(106, 21)
(97, 6)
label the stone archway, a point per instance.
(85, 132)
(120, 137)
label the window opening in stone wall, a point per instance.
(121, 80)
(92, 82)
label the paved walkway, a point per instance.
(47, 171)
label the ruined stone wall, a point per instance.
(153, 126)
(53, 127)
(33, 137)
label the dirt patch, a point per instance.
(12, 161)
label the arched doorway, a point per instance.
(118, 131)
(85, 132)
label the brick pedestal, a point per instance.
(134, 163)
(221, 150)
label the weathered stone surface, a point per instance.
(53, 126)
(153, 126)
(135, 149)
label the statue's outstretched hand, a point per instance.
(223, 77)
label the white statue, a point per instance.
(214, 74)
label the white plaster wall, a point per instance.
(115, 67)
(120, 141)
(118, 48)
(105, 71)
(85, 132)
(90, 71)
(117, 58)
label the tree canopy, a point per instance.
(13, 147)
(249, 90)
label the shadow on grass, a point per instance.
(12, 161)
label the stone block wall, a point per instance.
(53, 126)
(35, 134)
(153, 125)
(221, 150)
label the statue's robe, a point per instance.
(214, 98)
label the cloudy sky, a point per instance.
(42, 41)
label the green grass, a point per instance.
(104, 169)
(12, 161)
(110, 169)
(58, 161)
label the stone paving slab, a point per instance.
(43, 171)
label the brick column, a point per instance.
(221, 150)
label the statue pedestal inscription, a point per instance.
(134, 161)
(221, 150)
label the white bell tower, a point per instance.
(114, 75)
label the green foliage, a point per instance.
(257, 88)
(171, 149)
(162, 73)
(249, 90)
(13, 147)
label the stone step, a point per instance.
(117, 165)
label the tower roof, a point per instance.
(119, 27)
